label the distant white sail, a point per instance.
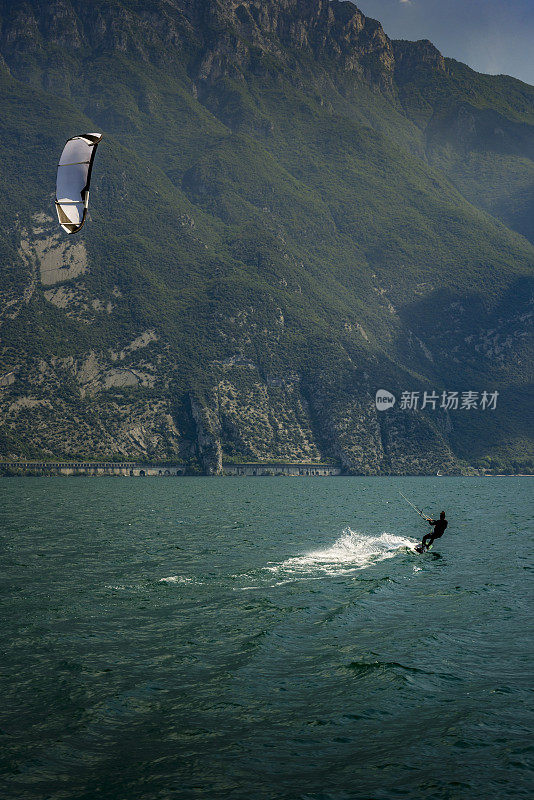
(73, 179)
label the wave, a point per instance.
(352, 552)
(177, 579)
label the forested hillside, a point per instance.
(289, 211)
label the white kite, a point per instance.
(73, 179)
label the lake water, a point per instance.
(265, 638)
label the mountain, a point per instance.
(289, 211)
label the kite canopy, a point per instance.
(73, 178)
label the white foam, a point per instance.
(353, 551)
(177, 579)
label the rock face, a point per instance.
(409, 56)
(224, 36)
(208, 437)
(325, 30)
(54, 258)
(289, 213)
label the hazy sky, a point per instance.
(495, 36)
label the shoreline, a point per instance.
(139, 469)
(78, 468)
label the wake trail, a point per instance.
(352, 552)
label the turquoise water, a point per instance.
(265, 638)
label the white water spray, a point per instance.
(353, 551)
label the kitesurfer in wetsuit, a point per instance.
(439, 526)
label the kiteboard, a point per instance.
(420, 549)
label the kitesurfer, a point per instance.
(439, 526)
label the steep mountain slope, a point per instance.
(289, 211)
(477, 130)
